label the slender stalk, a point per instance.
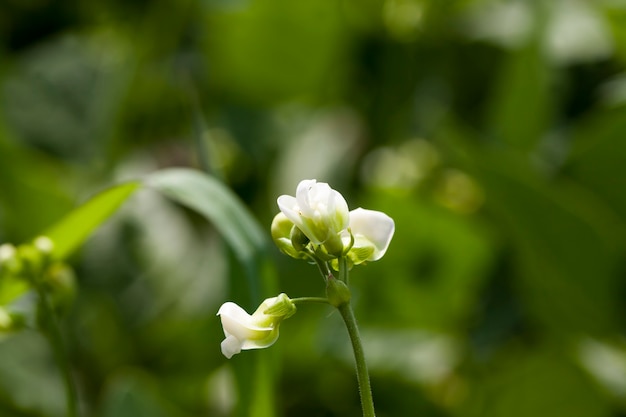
(309, 300)
(365, 389)
(52, 331)
(343, 269)
(323, 267)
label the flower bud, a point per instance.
(281, 231)
(44, 245)
(9, 261)
(31, 261)
(337, 292)
(298, 239)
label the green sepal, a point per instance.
(283, 307)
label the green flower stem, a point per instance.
(310, 300)
(51, 329)
(343, 269)
(341, 300)
(365, 389)
(323, 267)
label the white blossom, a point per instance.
(259, 330)
(320, 212)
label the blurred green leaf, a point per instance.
(77, 226)
(29, 181)
(566, 253)
(539, 383)
(216, 203)
(598, 157)
(521, 106)
(27, 371)
(314, 52)
(133, 395)
(63, 94)
(11, 288)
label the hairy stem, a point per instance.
(365, 389)
(343, 269)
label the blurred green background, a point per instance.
(493, 132)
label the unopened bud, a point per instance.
(298, 239)
(337, 292)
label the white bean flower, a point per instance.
(320, 212)
(259, 330)
(372, 232)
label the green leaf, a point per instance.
(26, 368)
(11, 288)
(77, 226)
(216, 203)
(568, 246)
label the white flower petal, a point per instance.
(268, 339)
(230, 346)
(375, 226)
(340, 207)
(305, 194)
(289, 207)
(317, 210)
(238, 323)
(233, 310)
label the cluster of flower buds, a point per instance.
(317, 223)
(26, 267)
(27, 260)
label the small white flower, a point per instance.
(372, 232)
(259, 330)
(320, 212)
(7, 252)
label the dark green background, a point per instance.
(493, 132)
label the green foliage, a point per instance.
(491, 131)
(198, 192)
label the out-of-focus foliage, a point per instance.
(492, 131)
